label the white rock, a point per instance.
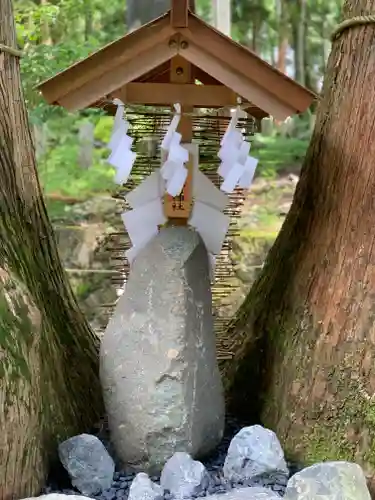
(161, 383)
(59, 496)
(254, 450)
(88, 463)
(142, 488)
(183, 476)
(251, 493)
(328, 481)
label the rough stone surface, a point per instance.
(184, 477)
(58, 496)
(142, 488)
(160, 378)
(252, 452)
(252, 493)
(328, 481)
(88, 463)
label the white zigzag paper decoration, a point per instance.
(142, 222)
(121, 157)
(207, 217)
(237, 168)
(173, 170)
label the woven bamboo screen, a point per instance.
(147, 127)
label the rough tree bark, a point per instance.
(49, 364)
(306, 331)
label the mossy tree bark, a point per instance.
(306, 331)
(49, 356)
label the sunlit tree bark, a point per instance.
(306, 331)
(48, 355)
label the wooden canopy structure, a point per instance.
(148, 66)
(178, 58)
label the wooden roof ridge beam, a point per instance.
(107, 59)
(247, 63)
(251, 91)
(107, 83)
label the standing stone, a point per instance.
(160, 378)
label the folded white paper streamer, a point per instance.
(166, 142)
(211, 224)
(249, 171)
(206, 192)
(148, 190)
(143, 220)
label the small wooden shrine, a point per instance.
(178, 58)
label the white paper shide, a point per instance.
(121, 157)
(173, 170)
(237, 167)
(146, 215)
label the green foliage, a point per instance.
(103, 129)
(277, 154)
(60, 173)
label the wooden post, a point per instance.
(178, 209)
(179, 13)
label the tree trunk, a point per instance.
(140, 12)
(283, 37)
(299, 36)
(89, 21)
(49, 362)
(306, 331)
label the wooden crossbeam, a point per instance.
(198, 96)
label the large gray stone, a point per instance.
(160, 378)
(254, 451)
(328, 481)
(88, 463)
(184, 477)
(142, 488)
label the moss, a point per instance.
(348, 434)
(16, 333)
(251, 234)
(326, 443)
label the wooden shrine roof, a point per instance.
(127, 67)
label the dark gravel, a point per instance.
(58, 480)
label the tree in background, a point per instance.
(306, 330)
(139, 12)
(49, 363)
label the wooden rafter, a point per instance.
(107, 60)
(240, 59)
(126, 73)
